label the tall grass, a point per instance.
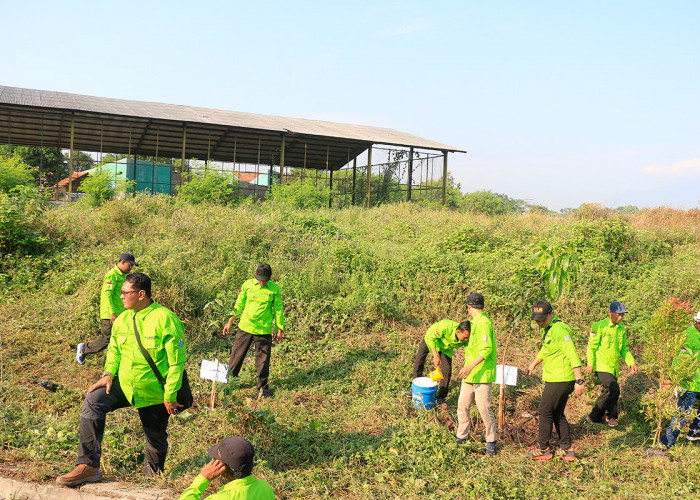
(360, 287)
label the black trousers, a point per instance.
(98, 404)
(445, 368)
(101, 342)
(263, 349)
(607, 401)
(551, 411)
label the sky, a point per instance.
(558, 103)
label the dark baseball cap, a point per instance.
(263, 272)
(237, 453)
(475, 300)
(127, 257)
(540, 310)
(617, 307)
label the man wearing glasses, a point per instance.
(129, 380)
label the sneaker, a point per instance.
(693, 435)
(460, 440)
(536, 454)
(268, 392)
(82, 474)
(611, 421)
(566, 455)
(439, 401)
(491, 449)
(80, 353)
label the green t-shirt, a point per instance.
(163, 336)
(691, 347)
(247, 488)
(558, 353)
(481, 343)
(258, 306)
(443, 337)
(606, 343)
(110, 296)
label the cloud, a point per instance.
(685, 168)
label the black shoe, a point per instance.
(268, 393)
(693, 435)
(460, 440)
(439, 401)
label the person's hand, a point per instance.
(105, 382)
(213, 469)
(579, 389)
(436, 360)
(589, 369)
(227, 329)
(464, 372)
(112, 317)
(634, 369)
(173, 408)
(278, 336)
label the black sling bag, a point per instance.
(184, 393)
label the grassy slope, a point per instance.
(360, 288)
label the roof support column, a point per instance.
(70, 161)
(369, 174)
(182, 158)
(444, 177)
(282, 157)
(330, 197)
(410, 174)
(354, 176)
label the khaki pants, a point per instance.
(482, 394)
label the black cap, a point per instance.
(237, 453)
(263, 272)
(540, 310)
(475, 300)
(127, 257)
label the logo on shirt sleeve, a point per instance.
(593, 333)
(109, 284)
(484, 338)
(181, 342)
(567, 339)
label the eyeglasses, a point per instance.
(127, 292)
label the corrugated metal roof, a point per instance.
(31, 117)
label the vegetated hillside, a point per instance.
(360, 287)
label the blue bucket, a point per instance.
(423, 391)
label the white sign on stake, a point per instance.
(511, 374)
(213, 370)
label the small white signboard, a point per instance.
(511, 374)
(213, 370)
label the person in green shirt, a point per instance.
(233, 460)
(440, 340)
(606, 343)
(478, 374)
(259, 305)
(561, 373)
(128, 380)
(689, 394)
(110, 306)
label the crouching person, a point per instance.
(128, 380)
(233, 459)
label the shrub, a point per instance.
(18, 227)
(210, 186)
(14, 172)
(302, 193)
(101, 186)
(486, 202)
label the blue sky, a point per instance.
(557, 102)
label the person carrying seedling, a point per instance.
(688, 394)
(233, 460)
(259, 305)
(478, 374)
(561, 373)
(110, 306)
(606, 343)
(440, 340)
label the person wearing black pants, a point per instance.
(606, 405)
(263, 348)
(562, 375)
(445, 368)
(154, 420)
(551, 411)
